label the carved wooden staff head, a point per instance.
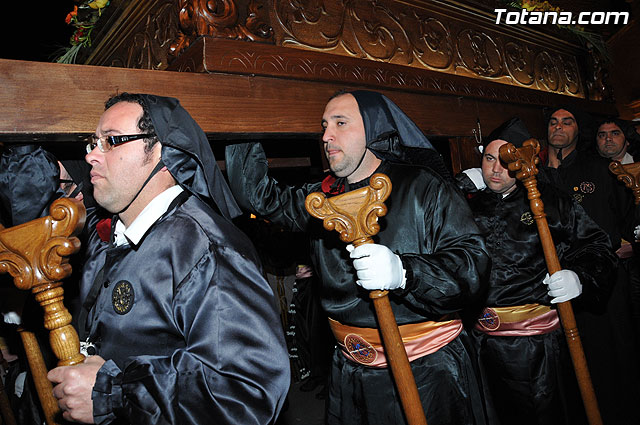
(354, 214)
(629, 174)
(36, 255)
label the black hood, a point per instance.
(513, 131)
(391, 135)
(80, 170)
(188, 156)
(586, 131)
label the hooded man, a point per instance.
(527, 375)
(609, 339)
(177, 320)
(428, 254)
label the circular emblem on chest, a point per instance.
(359, 349)
(489, 319)
(122, 297)
(527, 218)
(587, 187)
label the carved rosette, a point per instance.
(424, 36)
(354, 214)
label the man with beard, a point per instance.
(525, 366)
(428, 254)
(178, 323)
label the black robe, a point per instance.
(429, 225)
(611, 344)
(530, 379)
(186, 321)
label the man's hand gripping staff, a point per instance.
(355, 216)
(523, 162)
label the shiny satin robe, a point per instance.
(611, 345)
(429, 225)
(192, 334)
(530, 379)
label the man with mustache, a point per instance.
(428, 254)
(178, 323)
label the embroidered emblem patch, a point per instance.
(587, 187)
(527, 218)
(359, 349)
(122, 297)
(489, 319)
(578, 197)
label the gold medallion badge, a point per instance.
(122, 297)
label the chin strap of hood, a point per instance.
(391, 135)
(153, 172)
(188, 156)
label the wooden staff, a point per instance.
(523, 161)
(355, 216)
(36, 255)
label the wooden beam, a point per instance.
(50, 101)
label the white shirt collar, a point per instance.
(627, 159)
(149, 215)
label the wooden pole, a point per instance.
(44, 388)
(355, 216)
(36, 255)
(523, 161)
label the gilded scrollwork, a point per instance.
(423, 36)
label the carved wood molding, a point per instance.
(217, 55)
(430, 36)
(150, 34)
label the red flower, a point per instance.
(71, 15)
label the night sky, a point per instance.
(35, 31)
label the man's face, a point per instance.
(495, 176)
(344, 135)
(611, 141)
(118, 174)
(563, 129)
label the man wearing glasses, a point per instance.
(177, 321)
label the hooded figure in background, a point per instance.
(608, 337)
(527, 374)
(428, 253)
(179, 324)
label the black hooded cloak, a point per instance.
(429, 225)
(608, 338)
(530, 379)
(185, 320)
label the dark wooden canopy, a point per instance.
(264, 69)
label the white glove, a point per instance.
(636, 232)
(564, 285)
(475, 174)
(378, 268)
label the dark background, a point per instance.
(35, 31)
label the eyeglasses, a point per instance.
(106, 143)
